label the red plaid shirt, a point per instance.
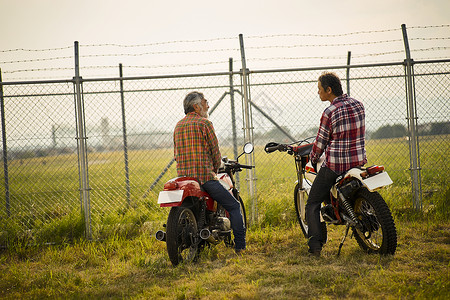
(196, 148)
(341, 135)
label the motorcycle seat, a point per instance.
(304, 150)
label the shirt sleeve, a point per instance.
(322, 138)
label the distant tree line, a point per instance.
(398, 130)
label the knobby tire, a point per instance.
(381, 234)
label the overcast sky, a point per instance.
(42, 24)
(52, 23)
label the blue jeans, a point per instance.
(320, 192)
(215, 189)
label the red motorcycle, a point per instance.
(353, 201)
(195, 220)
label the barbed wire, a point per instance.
(126, 66)
(123, 54)
(36, 70)
(429, 26)
(35, 50)
(223, 50)
(224, 62)
(227, 38)
(160, 43)
(344, 34)
(36, 60)
(345, 56)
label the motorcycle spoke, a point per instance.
(372, 235)
(187, 226)
(182, 240)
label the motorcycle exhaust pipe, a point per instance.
(209, 236)
(160, 236)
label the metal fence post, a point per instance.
(349, 55)
(5, 149)
(412, 124)
(233, 116)
(82, 148)
(125, 142)
(248, 131)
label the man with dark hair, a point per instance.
(341, 136)
(331, 80)
(197, 155)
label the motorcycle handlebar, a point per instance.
(302, 150)
(246, 166)
(271, 147)
(236, 166)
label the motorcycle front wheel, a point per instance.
(244, 214)
(300, 199)
(378, 233)
(181, 235)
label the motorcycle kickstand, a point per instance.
(343, 239)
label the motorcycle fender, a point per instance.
(310, 174)
(378, 181)
(306, 185)
(225, 180)
(170, 198)
(187, 187)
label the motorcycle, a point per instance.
(195, 220)
(354, 201)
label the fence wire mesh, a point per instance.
(129, 124)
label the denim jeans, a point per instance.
(320, 192)
(215, 189)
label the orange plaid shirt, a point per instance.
(196, 148)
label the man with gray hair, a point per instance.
(197, 154)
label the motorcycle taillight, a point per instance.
(170, 185)
(372, 171)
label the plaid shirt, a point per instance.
(196, 148)
(341, 135)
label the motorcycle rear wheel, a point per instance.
(300, 199)
(379, 234)
(181, 235)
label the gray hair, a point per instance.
(191, 99)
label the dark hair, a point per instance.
(191, 99)
(329, 79)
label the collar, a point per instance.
(339, 98)
(193, 114)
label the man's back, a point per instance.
(196, 148)
(342, 134)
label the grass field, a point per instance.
(275, 266)
(126, 261)
(46, 206)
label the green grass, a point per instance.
(275, 266)
(125, 261)
(45, 202)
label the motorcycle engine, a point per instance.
(224, 223)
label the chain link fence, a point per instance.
(128, 125)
